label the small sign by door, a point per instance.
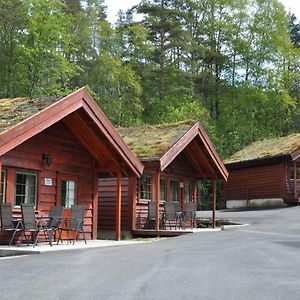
(48, 181)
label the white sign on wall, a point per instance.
(48, 181)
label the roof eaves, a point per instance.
(178, 146)
(213, 153)
(115, 137)
(258, 160)
(40, 112)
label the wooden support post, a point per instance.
(95, 205)
(157, 197)
(10, 183)
(118, 205)
(0, 175)
(295, 180)
(214, 196)
(132, 196)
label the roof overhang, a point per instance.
(79, 100)
(216, 165)
(259, 161)
(295, 155)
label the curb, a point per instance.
(227, 227)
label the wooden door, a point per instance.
(67, 194)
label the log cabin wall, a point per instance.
(107, 205)
(69, 157)
(181, 170)
(134, 210)
(257, 182)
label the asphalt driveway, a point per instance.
(259, 261)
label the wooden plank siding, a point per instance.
(135, 211)
(257, 182)
(69, 157)
(107, 190)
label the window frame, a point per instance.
(27, 173)
(144, 176)
(165, 191)
(178, 190)
(187, 184)
(66, 177)
(68, 189)
(3, 188)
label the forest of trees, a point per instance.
(232, 64)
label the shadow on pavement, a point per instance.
(6, 253)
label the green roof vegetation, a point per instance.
(14, 111)
(153, 141)
(267, 148)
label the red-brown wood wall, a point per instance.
(257, 182)
(69, 157)
(107, 204)
(135, 211)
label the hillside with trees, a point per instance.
(232, 64)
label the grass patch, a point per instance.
(267, 148)
(153, 141)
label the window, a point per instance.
(67, 193)
(163, 189)
(145, 187)
(292, 171)
(3, 186)
(25, 188)
(174, 190)
(187, 192)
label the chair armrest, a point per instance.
(19, 224)
(179, 214)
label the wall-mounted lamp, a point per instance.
(47, 158)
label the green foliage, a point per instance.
(211, 60)
(205, 195)
(175, 109)
(250, 114)
(47, 43)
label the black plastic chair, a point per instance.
(173, 213)
(54, 220)
(8, 223)
(32, 226)
(190, 213)
(74, 223)
(152, 215)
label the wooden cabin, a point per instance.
(175, 156)
(54, 149)
(266, 173)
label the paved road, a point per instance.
(260, 261)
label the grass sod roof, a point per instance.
(267, 148)
(153, 141)
(14, 111)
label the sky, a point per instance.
(113, 6)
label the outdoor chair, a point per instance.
(190, 213)
(54, 220)
(8, 223)
(173, 213)
(74, 223)
(152, 215)
(32, 226)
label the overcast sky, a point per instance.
(113, 6)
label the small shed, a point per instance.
(175, 156)
(54, 149)
(265, 173)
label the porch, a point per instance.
(44, 247)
